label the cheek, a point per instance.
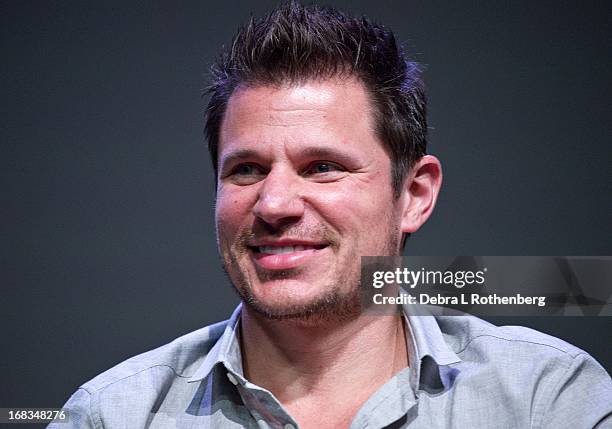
(232, 203)
(230, 212)
(354, 210)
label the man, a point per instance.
(317, 132)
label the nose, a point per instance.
(279, 199)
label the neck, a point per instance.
(296, 361)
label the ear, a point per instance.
(420, 192)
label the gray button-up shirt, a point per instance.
(463, 373)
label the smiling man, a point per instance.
(304, 189)
(317, 132)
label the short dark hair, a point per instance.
(296, 43)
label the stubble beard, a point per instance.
(336, 304)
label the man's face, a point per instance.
(304, 190)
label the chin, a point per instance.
(332, 306)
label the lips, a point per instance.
(283, 256)
(280, 250)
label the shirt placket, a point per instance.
(263, 406)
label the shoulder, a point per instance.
(561, 385)
(124, 395)
(469, 334)
(179, 358)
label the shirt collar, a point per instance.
(226, 350)
(426, 345)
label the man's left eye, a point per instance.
(323, 168)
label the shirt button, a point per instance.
(231, 378)
(289, 426)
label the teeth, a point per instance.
(279, 250)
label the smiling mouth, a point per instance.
(282, 250)
(284, 256)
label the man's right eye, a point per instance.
(246, 170)
(244, 174)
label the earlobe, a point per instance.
(421, 191)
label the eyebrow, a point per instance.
(327, 152)
(238, 155)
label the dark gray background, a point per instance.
(107, 237)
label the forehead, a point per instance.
(333, 108)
